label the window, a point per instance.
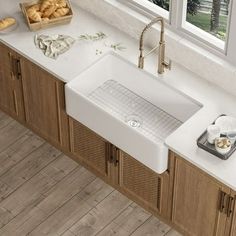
(207, 20)
(209, 23)
(209, 15)
(161, 3)
(153, 7)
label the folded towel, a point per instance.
(53, 46)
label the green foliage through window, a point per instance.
(208, 15)
(192, 6)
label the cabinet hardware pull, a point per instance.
(222, 201)
(108, 151)
(112, 154)
(117, 153)
(230, 205)
(18, 69)
(109, 148)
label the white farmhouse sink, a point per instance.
(128, 107)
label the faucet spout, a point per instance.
(162, 64)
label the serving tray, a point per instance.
(203, 144)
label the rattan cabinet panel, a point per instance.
(140, 181)
(88, 146)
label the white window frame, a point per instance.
(147, 7)
(177, 23)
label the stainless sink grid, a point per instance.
(125, 105)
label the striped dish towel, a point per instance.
(53, 46)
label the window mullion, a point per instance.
(176, 13)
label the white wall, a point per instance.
(196, 59)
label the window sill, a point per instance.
(204, 37)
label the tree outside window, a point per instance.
(208, 15)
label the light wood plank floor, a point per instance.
(43, 192)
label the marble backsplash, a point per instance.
(192, 57)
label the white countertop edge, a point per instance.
(202, 168)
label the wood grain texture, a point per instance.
(231, 220)
(30, 166)
(127, 222)
(74, 209)
(46, 193)
(10, 133)
(152, 227)
(6, 81)
(44, 103)
(11, 96)
(196, 202)
(99, 216)
(16, 152)
(32, 192)
(4, 119)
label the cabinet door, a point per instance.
(44, 104)
(199, 201)
(11, 98)
(231, 215)
(89, 148)
(149, 188)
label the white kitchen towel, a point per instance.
(53, 46)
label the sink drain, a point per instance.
(133, 121)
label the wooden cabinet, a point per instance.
(149, 188)
(33, 96)
(231, 214)
(11, 98)
(121, 170)
(196, 203)
(44, 104)
(199, 201)
(89, 148)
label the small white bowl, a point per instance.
(232, 136)
(225, 148)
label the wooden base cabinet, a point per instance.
(152, 190)
(11, 97)
(44, 104)
(34, 97)
(192, 201)
(89, 148)
(121, 170)
(185, 196)
(199, 202)
(231, 214)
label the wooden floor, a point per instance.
(43, 192)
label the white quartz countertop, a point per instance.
(215, 101)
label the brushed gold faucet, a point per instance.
(162, 64)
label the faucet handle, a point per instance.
(168, 65)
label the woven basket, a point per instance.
(33, 26)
